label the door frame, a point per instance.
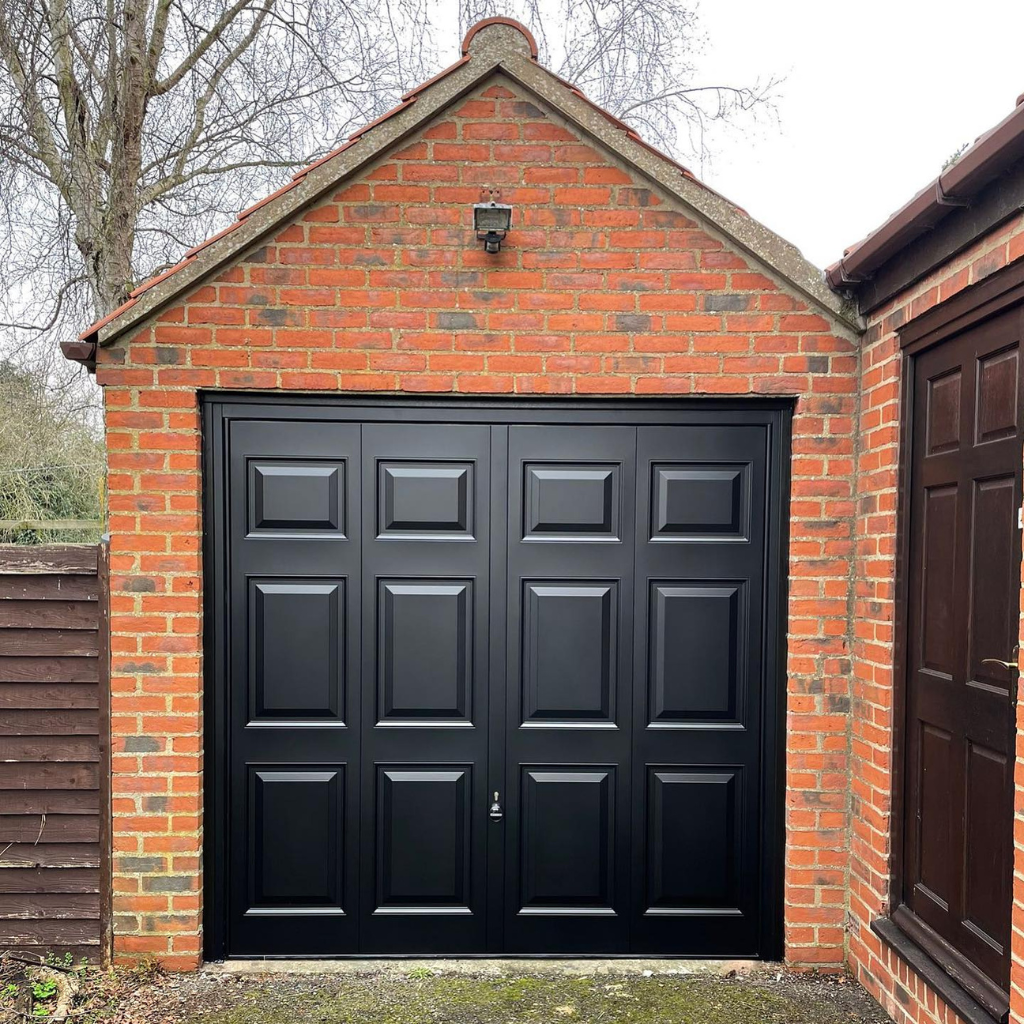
(217, 407)
(997, 294)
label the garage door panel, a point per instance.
(423, 499)
(296, 651)
(694, 855)
(424, 855)
(568, 840)
(570, 653)
(700, 501)
(292, 810)
(425, 656)
(697, 653)
(571, 501)
(296, 497)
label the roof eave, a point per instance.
(955, 187)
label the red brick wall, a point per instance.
(604, 286)
(901, 992)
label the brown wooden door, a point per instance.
(963, 609)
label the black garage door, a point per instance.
(492, 679)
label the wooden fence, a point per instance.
(54, 749)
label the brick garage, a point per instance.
(608, 285)
(622, 276)
(984, 253)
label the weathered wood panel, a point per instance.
(48, 748)
(56, 614)
(43, 643)
(52, 855)
(49, 670)
(46, 775)
(50, 801)
(50, 696)
(54, 793)
(49, 828)
(50, 880)
(60, 720)
(49, 559)
(49, 588)
(67, 906)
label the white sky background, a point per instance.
(878, 95)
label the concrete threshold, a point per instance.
(496, 968)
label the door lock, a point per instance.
(496, 813)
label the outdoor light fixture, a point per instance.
(492, 221)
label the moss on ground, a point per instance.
(530, 1000)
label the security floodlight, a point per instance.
(492, 221)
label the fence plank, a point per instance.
(49, 614)
(40, 775)
(51, 933)
(49, 588)
(49, 879)
(47, 695)
(49, 670)
(50, 856)
(20, 720)
(51, 524)
(41, 643)
(48, 748)
(50, 801)
(53, 906)
(49, 828)
(47, 559)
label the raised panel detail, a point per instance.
(567, 840)
(938, 580)
(296, 497)
(934, 812)
(942, 416)
(296, 650)
(295, 837)
(989, 813)
(424, 656)
(697, 659)
(425, 498)
(995, 570)
(693, 840)
(700, 502)
(571, 502)
(569, 652)
(423, 839)
(996, 407)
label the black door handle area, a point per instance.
(496, 813)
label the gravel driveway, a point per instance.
(495, 993)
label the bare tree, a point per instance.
(131, 129)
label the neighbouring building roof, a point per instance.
(491, 46)
(965, 201)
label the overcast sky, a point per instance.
(878, 94)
